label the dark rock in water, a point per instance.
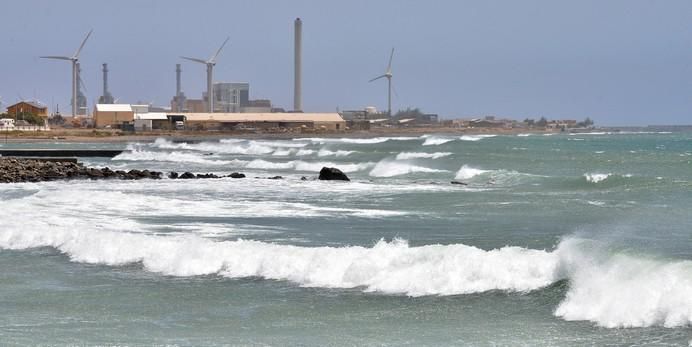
(173, 175)
(94, 173)
(208, 175)
(460, 183)
(275, 178)
(236, 175)
(332, 174)
(187, 175)
(303, 178)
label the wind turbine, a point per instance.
(210, 75)
(74, 59)
(388, 75)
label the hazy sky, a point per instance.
(618, 62)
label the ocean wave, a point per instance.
(175, 157)
(299, 165)
(391, 168)
(499, 177)
(372, 140)
(596, 177)
(624, 291)
(435, 140)
(466, 172)
(610, 289)
(419, 155)
(387, 267)
(338, 153)
(230, 146)
(474, 138)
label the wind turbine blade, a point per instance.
(389, 66)
(56, 57)
(213, 57)
(195, 60)
(377, 78)
(76, 54)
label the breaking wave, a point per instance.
(372, 140)
(175, 157)
(391, 168)
(467, 172)
(606, 288)
(499, 177)
(299, 165)
(474, 138)
(622, 290)
(418, 155)
(338, 153)
(435, 140)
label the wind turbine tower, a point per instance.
(75, 74)
(388, 75)
(210, 75)
(81, 99)
(298, 67)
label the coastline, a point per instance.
(113, 136)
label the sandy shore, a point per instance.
(111, 136)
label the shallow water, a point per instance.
(555, 240)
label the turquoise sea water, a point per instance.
(563, 240)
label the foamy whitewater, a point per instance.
(565, 243)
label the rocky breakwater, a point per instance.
(13, 170)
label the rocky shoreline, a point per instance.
(16, 170)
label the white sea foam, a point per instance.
(609, 289)
(620, 290)
(299, 165)
(372, 140)
(387, 267)
(391, 168)
(339, 153)
(305, 152)
(176, 157)
(474, 138)
(436, 140)
(596, 177)
(466, 172)
(419, 155)
(282, 152)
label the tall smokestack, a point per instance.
(105, 79)
(297, 87)
(177, 79)
(106, 97)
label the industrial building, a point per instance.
(263, 121)
(113, 115)
(230, 97)
(139, 118)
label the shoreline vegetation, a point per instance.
(113, 136)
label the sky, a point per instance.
(619, 62)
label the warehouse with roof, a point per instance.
(137, 116)
(229, 121)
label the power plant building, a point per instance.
(231, 97)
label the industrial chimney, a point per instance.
(106, 97)
(297, 87)
(177, 79)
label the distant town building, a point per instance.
(31, 107)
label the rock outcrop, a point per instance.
(14, 170)
(332, 174)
